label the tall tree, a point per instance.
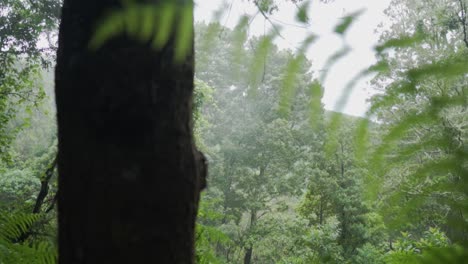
(129, 173)
(22, 24)
(253, 148)
(407, 177)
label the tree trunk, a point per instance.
(321, 211)
(248, 255)
(44, 191)
(129, 174)
(249, 249)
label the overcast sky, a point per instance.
(361, 37)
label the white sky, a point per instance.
(360, 37)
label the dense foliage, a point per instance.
(288, 181)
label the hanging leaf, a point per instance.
(144, 22)
(288, 87)
(316, 94)
(401, 42)
(347, 21)
(110, 27)
(257, 65)
(301, 14)
(184, 33)
(164, 26)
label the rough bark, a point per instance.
(129, 174)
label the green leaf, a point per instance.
(148, 23)
(347, 21)
(316, 94)
(111, 26)
(362, 138)
(184, 36)
(257, 65)
(289, 86)
(401, 42)
(341, 53)
(301, 14)
(132, 16)
(164, 27)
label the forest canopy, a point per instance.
(288, 181)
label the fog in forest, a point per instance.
(333, 132)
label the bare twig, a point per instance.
(462, 19)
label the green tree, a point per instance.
(22, 24)
(253, 146)
(335, 194)
(428, 138)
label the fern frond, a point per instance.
(12, 227)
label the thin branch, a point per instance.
(40, 197)
(275, 28)
(44, 186)
(52, 203)
(462, 19)
(227, 19)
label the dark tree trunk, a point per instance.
(249, 249)
(44, 191)
(248, 255)
(129, 174)
(321, 211)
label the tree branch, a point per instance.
(44, 186)
(462, 19)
